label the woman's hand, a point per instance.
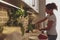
(43, 29)
(34, 23)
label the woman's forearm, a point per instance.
(41, 20)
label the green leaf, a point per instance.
(25, 14)
(20, 12)
(30, 28)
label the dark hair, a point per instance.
(51, 6)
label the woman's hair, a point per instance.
(51, 6)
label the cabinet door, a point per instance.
(13, 2)
(34, 4)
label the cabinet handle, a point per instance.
(33, 2)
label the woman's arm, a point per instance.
(41, 20)
(49, 25)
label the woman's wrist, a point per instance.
(43, 29)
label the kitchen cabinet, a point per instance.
(34, 4)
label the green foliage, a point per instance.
(1, 29)
(19, 13)
(25, 14)
(22, 28)
(31, 27)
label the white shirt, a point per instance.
(52, 31)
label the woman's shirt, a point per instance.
(52, 30)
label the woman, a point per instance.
(51, 25)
